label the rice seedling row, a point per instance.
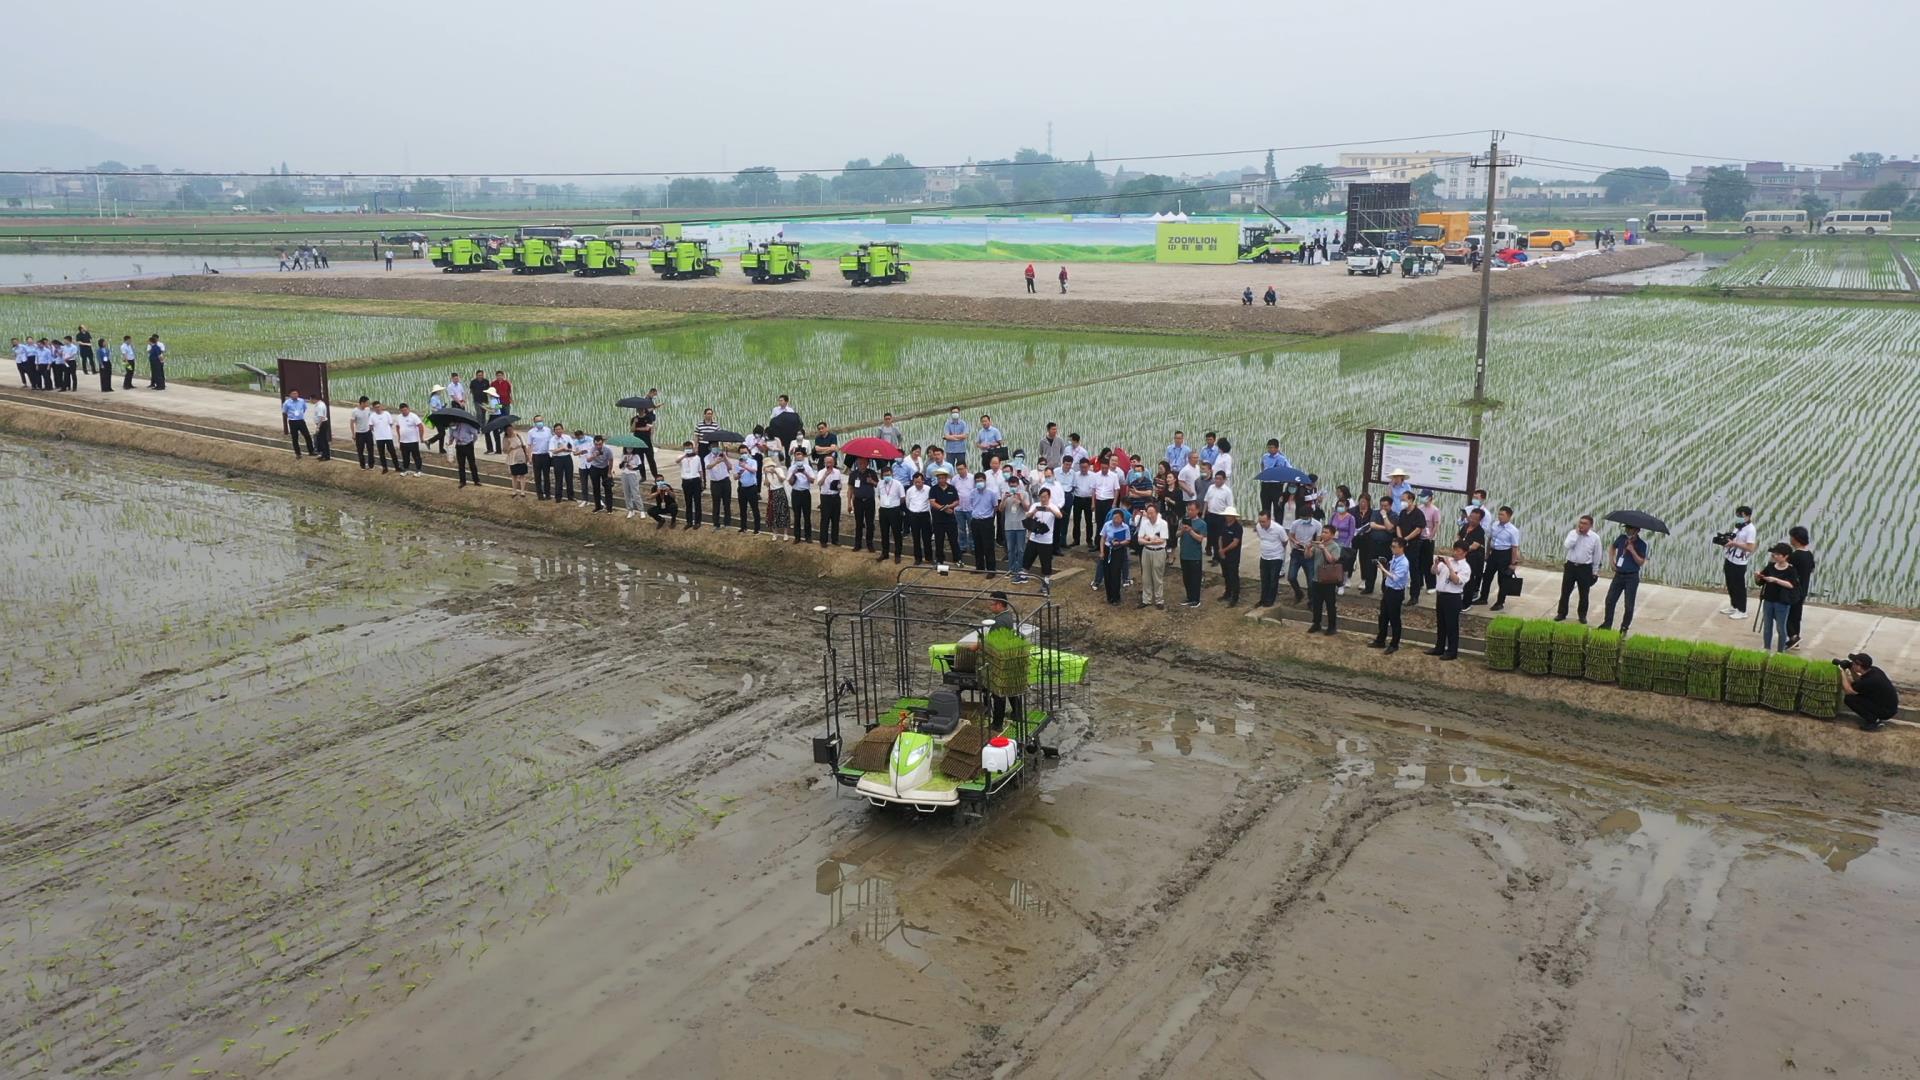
(1864, 265)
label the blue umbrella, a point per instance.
(1282, 474)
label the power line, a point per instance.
(841, 169)
(1669, 153)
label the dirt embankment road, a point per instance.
(1123, 296)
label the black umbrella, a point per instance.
(1639, 519)
(499, 421)
(723, 435)
(452, 416)
(786, 427)
(634, 403)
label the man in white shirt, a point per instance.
(380, 428)
(1217, 498)
(1105, 490)
(1081, 508)
(692, 482)
(408, 430)
(720, 486)
(1738, 548)
(540, 446)
(456, 391)
(1151, 530)
(361, 419)
(127, 354)
(917, 499)
(1582, 566)
(317, 413)
(1451, 574)
(560, 462)
(1275, 546)
(891, 498)
(1189, 479)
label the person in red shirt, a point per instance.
(505, 389)
(1029, 276)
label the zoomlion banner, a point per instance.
(1194, 242)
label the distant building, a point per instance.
(1459, 180)
(1251, 192)
(1558, 192)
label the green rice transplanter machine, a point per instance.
(932, 701)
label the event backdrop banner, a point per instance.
(1440, 462)
(1196, 242)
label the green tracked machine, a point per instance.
(462, 256)
(683, 259)
(1268, 244)
(531, 255)
(939, 691)
(875, 264)
(775, 261)
(600, 258)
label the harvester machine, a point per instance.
(776, 261)
(683, 259)
(599, 258)
(463, 256)
(1270, 243)
(531, 255)
(875, 264)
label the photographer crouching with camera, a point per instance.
(1869, 693)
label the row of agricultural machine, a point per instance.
(770, 262)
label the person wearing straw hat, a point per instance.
(437, 400)
(1397, 485)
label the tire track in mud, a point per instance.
(241, 785)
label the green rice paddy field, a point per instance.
(1872, 264)
(1681, 407)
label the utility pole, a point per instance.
(1049, 138)
(1493, 164)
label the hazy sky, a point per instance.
(512, 88)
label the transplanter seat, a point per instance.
(942, 714)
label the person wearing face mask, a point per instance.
(1737, 545)
(1014, 504)
(955, 434)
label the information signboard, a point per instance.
(1196, 242)
(1440, 462)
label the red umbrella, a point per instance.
(871, 448)
(1121, 461)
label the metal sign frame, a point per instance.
(1372, 466)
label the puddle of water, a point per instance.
(1512, 851)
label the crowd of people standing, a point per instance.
(55, 364)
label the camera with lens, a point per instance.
(1842, 662)
(1720, 539)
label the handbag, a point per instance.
(1330, 573)
(1511, 585)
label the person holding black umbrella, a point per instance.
(1629, 555)
(463, 460)
(1582, 568)
(692, 480)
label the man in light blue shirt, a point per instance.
(294, 408)
(956, 439)
(989, 440)
(1273, 458)
(907, 467)
(1179, 452)
(982, 504)
(1393, 591)
(1503, 538)
(1210, 452)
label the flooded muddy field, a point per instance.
(318, 787)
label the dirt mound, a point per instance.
(1337, 314)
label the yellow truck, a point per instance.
(1438, 228)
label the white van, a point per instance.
(1683, 220)
(1860, 221)
(1780, 221)
(635, 235)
